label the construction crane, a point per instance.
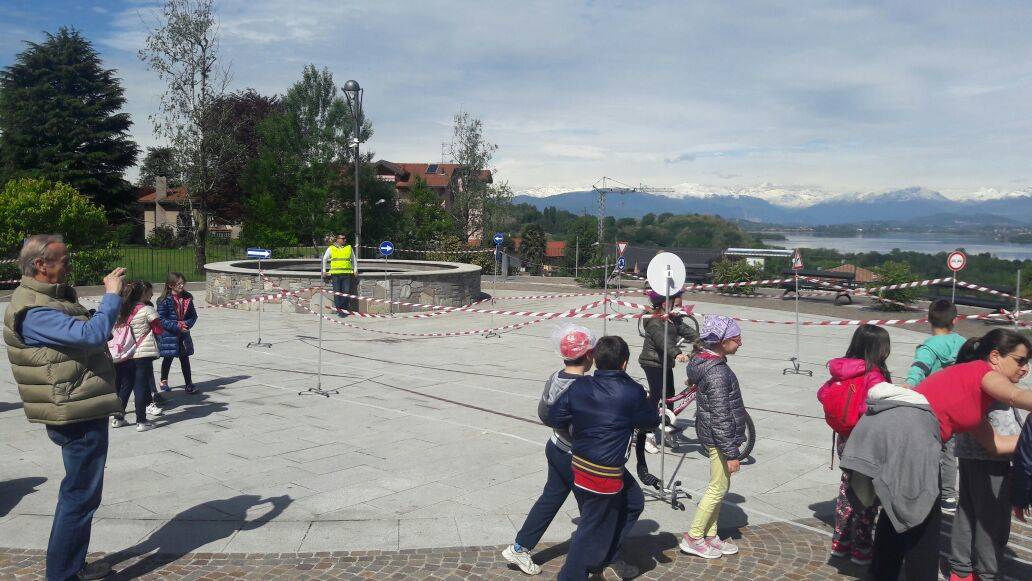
(608, 185)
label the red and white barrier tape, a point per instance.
(510, 327)
(396, 316)
(477, 251)
(984, 289)
(261, 298)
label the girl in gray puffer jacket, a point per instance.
(720, 419)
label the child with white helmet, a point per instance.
(574, 344)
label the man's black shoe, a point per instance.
(96, 570)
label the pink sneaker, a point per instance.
(726, 547)
(698, 547)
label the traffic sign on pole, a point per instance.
(797, 260)
(386, 248)
(621, 264)
(259, 253)
(956, 261)
(499, 238)
(620, 247)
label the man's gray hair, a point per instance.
(37, 247)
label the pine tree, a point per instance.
(60, 120)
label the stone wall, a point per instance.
(443, 283)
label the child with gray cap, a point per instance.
(720, 419)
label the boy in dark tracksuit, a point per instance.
(603, 411)
(574, 344)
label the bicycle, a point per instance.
(679, 402)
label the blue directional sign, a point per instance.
(386, 248)
(259, 253)
(621, 264)
(499, 238)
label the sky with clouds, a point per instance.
(850, 95)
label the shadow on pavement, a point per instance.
(8, 406)
(824, 511)
(193, 528)
(191, 407)
(12, 491)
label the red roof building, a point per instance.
(438, 176)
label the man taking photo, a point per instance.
(66, 381)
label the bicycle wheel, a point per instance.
(693, 323)
(750, 438)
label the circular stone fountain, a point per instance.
(450, 284)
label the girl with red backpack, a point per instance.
(843, 398)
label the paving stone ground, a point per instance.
(768, 551)
(428, 455)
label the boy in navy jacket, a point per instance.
(602, 412)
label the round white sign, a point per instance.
(666, 273)
(956, 261)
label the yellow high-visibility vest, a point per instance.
(340, 260)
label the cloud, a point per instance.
(857, 96)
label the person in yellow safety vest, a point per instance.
(338, 264)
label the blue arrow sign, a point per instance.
(621, 264)
(259, 253)
(386, 248)
(499, 238)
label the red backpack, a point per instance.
(844, 401)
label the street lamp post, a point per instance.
(354, 94)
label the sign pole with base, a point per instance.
(797, 265)
(498, 239)
(318, 389)
(605, 295)
(1017, 300)
(666, 276)
(259, 253)
(956, 262)
(386, 249)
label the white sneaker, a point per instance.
(650, 444)
(154, 410)
(620, 570)
(117, 422)
(144, 426)
(521, 559)
(726, 547)
(698, 547)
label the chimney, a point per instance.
(160, 188)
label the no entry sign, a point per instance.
(956, 261)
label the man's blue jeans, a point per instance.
(343, 283)
(84, 449)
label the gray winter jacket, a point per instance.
(554, 387)
(720, 412)
(895, 448)
(652, 347)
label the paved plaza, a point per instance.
(426, 461)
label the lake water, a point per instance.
(927, 243)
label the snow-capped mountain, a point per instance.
(794, 204)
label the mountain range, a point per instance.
(793, 205)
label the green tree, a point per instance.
(424, 222)
(184, 50)
(727, 271)
(533, 247)
(60, 120)
(36, 206)
(301, 157)
(893, 272)
(160, 161)
(246, 111)
(473, 197)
